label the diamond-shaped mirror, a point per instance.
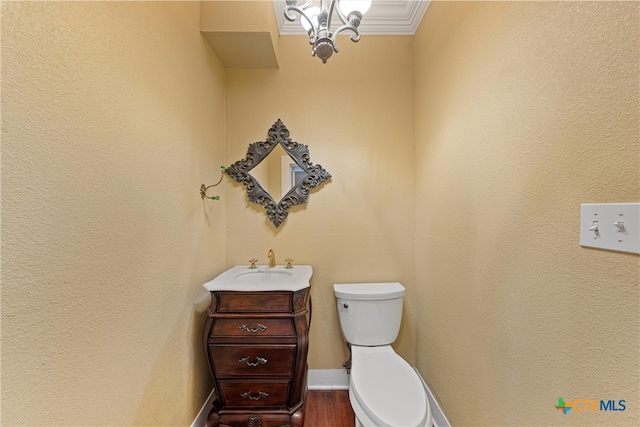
(278, 173)
(299, 174)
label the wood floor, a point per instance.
(328, 408)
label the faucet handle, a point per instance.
(288, 261)
(253, 263)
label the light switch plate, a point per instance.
(611, 226)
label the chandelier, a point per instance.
(315, 18)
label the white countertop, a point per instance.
(241, 278)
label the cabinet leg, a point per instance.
(213, 419)
(297, 418)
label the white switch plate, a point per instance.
(618, 226)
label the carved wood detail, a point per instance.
(255, 421)
(299, 299)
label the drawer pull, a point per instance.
(261, 361)
(261, 394)
(260, 328)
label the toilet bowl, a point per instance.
(384, 390)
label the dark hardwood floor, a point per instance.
(328, 408)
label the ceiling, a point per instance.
(385, 17)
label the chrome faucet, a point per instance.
(272, 258)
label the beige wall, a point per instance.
(355, 114)
(112, 117)
(523, 112)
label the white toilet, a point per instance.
(384, 389)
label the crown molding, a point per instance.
(385, 17)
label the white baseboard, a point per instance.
(335, 379)
(437, 416)
(328, 379)
(201, 419)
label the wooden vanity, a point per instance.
(256, 344)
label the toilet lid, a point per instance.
(389, 390)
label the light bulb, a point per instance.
(312, 13)
(348, 6)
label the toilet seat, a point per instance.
(387, 388)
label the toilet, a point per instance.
(384, 389)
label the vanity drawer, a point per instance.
(249, 327)
(254, 302)
(256, 360)
(254, 393)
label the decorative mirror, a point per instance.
(299, 175)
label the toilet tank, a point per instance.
(370, 313)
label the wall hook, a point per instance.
(204, 188)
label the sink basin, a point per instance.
(263, 278)
(263, 275)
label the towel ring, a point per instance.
(204, 188)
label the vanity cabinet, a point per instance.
(256, 345)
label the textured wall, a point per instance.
(112, 117)
(355, 113)
(523, 112)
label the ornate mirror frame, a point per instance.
(314, 175)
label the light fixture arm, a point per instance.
(352, 25)
(292, 7)
(332, 7)
(343, 18)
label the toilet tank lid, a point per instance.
(368, 291)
